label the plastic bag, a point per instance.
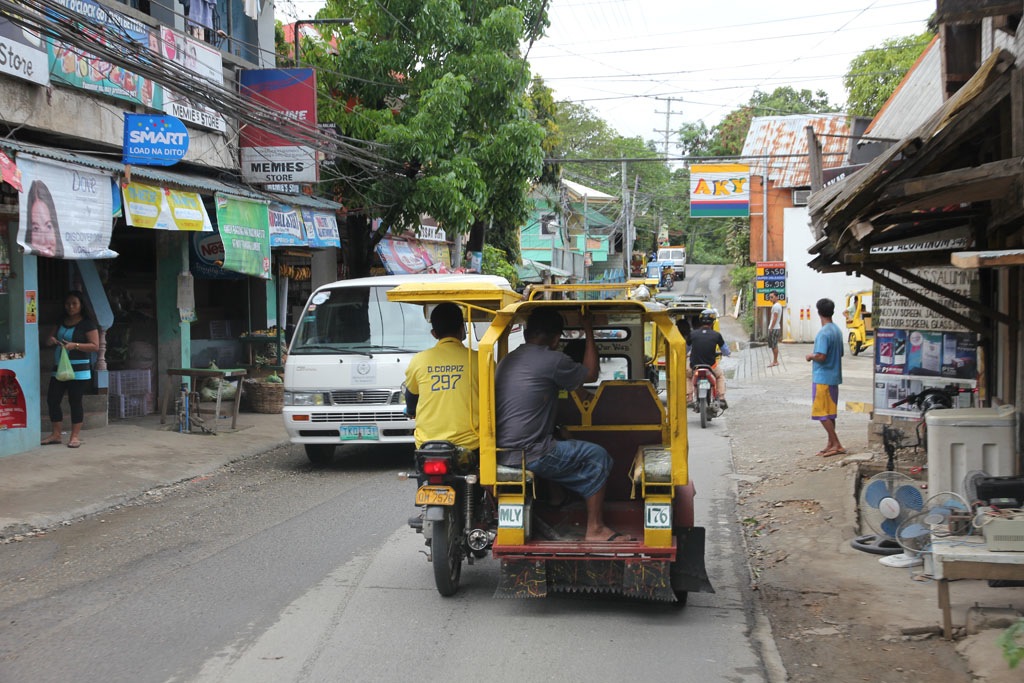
(65, 372)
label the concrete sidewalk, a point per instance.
(115, 464)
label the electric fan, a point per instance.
(887, 500)
(915, 534)
(971, 482)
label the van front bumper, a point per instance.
(323, 425)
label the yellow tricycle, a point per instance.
(860, 331)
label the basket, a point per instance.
(264, 397)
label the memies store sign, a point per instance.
(22, 54)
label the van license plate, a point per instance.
(435, 495)
(359, 433)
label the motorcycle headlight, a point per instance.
(304, 398)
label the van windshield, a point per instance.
(360, 320)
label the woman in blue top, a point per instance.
(77, 334)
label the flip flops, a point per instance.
(830, 452)
(50, 441)
(74, 443)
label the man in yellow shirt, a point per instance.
(441, 384)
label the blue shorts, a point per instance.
(580, 466)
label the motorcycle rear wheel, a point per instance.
(446, 554)
(703, 408)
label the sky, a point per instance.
(625, 58)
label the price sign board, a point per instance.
(769, 277)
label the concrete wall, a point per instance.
(95, 120)
(804, 286)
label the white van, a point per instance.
(345, 372)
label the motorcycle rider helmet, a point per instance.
(707, 317)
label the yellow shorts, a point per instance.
(824, 400)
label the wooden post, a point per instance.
(814, 160)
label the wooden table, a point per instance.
(232, 374)
(967, 557)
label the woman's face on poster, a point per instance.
(44, 237)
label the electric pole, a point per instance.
(667, 131)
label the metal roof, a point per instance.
(916, 98)
(785, 135)
(579, 191)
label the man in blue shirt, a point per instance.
(826, 376)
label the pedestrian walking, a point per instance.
(78, 335)
(826, 376)
(774, 328)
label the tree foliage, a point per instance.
(438, 89)
(875, 73)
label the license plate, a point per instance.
(703, 385)
(435, 495)
(359, 433)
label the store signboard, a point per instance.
(206, 63)
(244, 227)
(65, 210)
(70, 65)
(13, 414)
(265, 156)
(153, 140)
(23, 54)
(205, 254)
(156, 208)
(286, 228)
(718, 190)
(400, 257)
(321, 228)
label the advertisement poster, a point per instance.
(202, 60)
(244, 227)
(286, 226)
(400, 257)
(156, 208)
(321, 228)
(72, 66)
(153, 140)
(205, 256)
(893, 310)
(907, 361)
(24, 54)
(65, 210)
(719, 190)
(266, 157)
(31, 307)
(12, 402)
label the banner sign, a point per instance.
(286, 226)
(894, 310)
(22, 54)
(244, 227)
(12, 402)
(719, 190)
(321, 228)
(72, 66)
(205, 254)
(156, 208)
(9, 171)
(400, 257)
(66, 210)
(266, 157)
(154, 140)
(202, 60)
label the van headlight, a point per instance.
(399, 397)
(304, 398)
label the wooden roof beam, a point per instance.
(988, 259)
(961, 11)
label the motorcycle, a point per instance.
(925, 401)
(705, 394)
(459, 516)
(668, 278)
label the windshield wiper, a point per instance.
(332, 347)
(398, 349)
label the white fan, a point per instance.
(916, 532)
(887, 500)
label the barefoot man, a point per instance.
(826, 376)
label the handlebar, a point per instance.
(949, 391)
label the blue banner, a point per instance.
(154, 139)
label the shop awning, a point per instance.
(305, 201)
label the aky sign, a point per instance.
(154, 139)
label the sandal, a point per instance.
(50, 441)
(74, 443)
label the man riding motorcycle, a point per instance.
(705, 346)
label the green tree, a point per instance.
(875, 73)
(437, 90)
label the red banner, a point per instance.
(12, 402)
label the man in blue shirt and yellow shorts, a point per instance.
(826, 376)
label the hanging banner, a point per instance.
(202, 60)
(12, 402)
(23, 54)
(400, 256)
(321, 228)
(9, 171)
(72, 66)
(205, 256)
(244, 227)
(719, 190)
(156, 208)
(153, 140)
(286, 226)
(269, 158)
(66, 210)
